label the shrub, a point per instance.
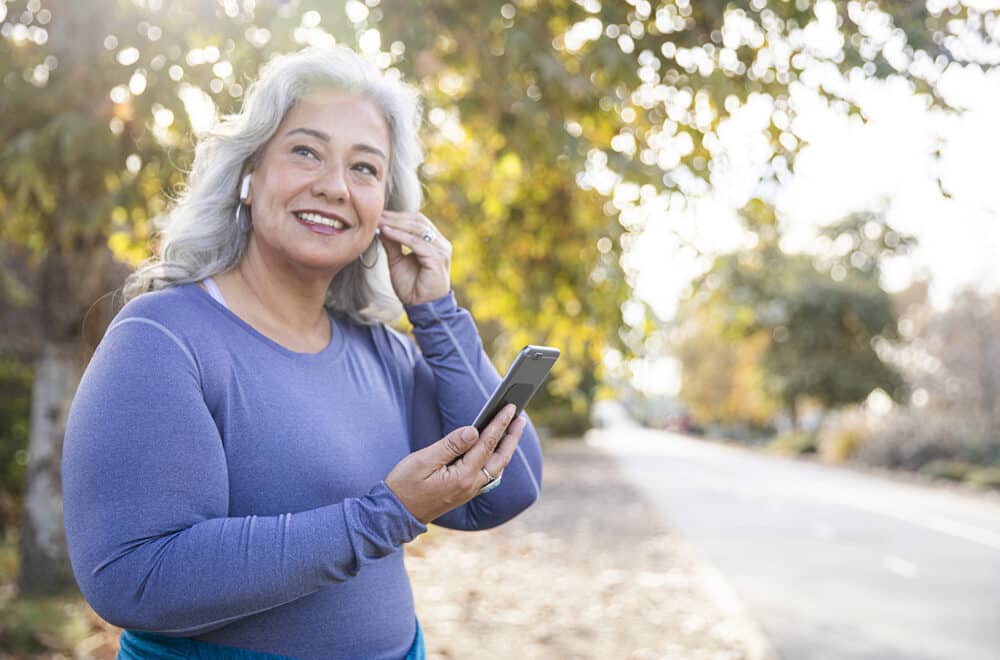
(842, 445)
(948, 469)
(988, 477)
(912, 439)
(559, 422)
(793, 442)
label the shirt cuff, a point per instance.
(389, 524)
(429, 313)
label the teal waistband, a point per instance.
(138, 645)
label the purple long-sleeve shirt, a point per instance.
(222, 487)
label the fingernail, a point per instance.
(468, 434)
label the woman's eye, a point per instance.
(367, 168)
(305, 151)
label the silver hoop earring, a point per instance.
(374, 261)
(242, 221)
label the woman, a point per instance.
(250, 447)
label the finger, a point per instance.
(435, 248)
(412, 222)
(393, 250)
(490, 438)
(500, 459)
(451, 446)
(413, 241)
(412, 229)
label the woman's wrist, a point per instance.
(430, 312)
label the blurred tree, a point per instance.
(723, 380)
(950, 360)
(820, 318)
(625, 98)
(537, 112)
(968, 340)
(953, 361)
(537, 255)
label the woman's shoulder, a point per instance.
(168, 304)
(176, 310)
(157, 321)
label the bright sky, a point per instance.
(845, 165)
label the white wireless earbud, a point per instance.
(245, 188)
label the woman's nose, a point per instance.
(332, 184)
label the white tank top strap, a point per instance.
(213, 290)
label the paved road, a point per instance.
(832, 564)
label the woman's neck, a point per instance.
(285, 304)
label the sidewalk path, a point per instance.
(834, 564)
(588, 572)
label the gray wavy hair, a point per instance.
(200, 237)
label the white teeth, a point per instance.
(318, 219)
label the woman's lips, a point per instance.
(320, 223)
(318, 228)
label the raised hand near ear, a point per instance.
(425, 273)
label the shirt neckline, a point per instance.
(331, 351)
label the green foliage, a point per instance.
(502, 178)
(823, 337)
(15, 410)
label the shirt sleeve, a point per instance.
(146, 501)
(453, 379)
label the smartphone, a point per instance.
(523, 379)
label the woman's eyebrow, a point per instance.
(370, 149)
(326, 138)
(310, 131)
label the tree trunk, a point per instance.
(45, 564)
(70, 281)
(792, 410)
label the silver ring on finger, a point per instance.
(490, 485)
(428, 235)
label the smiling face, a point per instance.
(319, 189)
